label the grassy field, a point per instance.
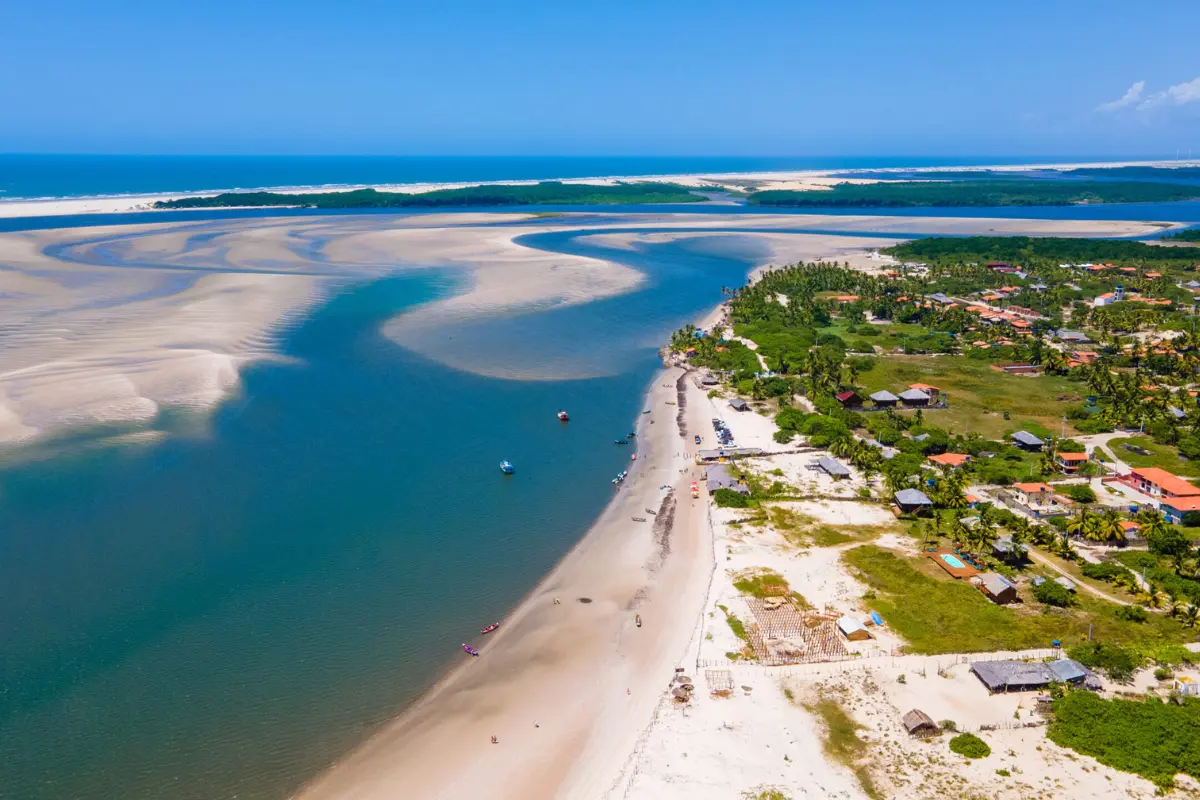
(937, 614)
(891, 336)
(1161, 455)
(979, 395)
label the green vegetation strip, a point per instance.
(941, 615)
(1026, 249)
(842, 742)
(497, 195)
(1153, 739)
(978, 193)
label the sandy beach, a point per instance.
(566, 687)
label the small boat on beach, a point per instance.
(491, 627)
(638, 519)
(630, 435)
(620, 477)
(506, 467)
(471, 651)
(563, 416)
(633, 457)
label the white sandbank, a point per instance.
(779, 179)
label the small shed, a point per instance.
(912, 501)
(998, 588)
(1186, 686)
(914, 398)
(833, 468)
(849, 399)
(918, 723)
(738, 404)
(884, 398)
(852, 629)
(1027, 441)
(709, 380)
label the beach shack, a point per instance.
(718, 477)
(1028, 676)
(849, 399)
(999, 589)
(833, 468)
(918, 723)
(884, 399)
(914, 398)
(853, 629)
(738, 404)
(1185, 686)
(1027, 441)
(912, 501)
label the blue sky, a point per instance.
(761, 78)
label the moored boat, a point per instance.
(563, 416)
(506, 467)
(491, 627)
(471, 651)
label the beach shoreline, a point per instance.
(20, 207)
(525, 688)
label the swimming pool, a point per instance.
(952, 560)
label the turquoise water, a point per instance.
(952, 560)
(223, 614)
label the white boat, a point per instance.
(506, 467)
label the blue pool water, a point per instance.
(952, 560)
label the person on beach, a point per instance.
(495, 740)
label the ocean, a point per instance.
(28, 176)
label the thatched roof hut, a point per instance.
(918, 723)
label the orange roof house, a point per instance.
(950, 459)
(1070, 461)
(1153, 274)
(1160, 483)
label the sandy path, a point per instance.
(583, 672)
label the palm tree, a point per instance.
(1191, 615)
(1108, 527)
(1082, 524)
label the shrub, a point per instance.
(1081, 493)
(948, 725)
(1169, 542)
(1163, 673)
(728, 498)
(1053, 594)
(969, 745)
(1115, 661)
(1105, 571)
(1189, 447)
(1131, 613)
(1153, 739)
(784, 436)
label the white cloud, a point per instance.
(1177, 95)
(1131, 96)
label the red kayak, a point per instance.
(491, 627)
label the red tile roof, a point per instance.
(1182, 503)
(1073, 456)
(950, 459)
(1166, 481)
(1032, 487)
